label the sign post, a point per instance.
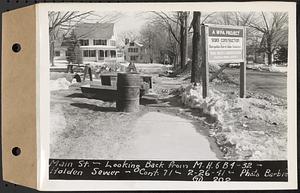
(227, 44)
(242, 79)
(243, 71)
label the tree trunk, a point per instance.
(177, 57)
(269, 50)
(196, 65)
(52, 53)
(186, 36)
(269, 58)
(183, 39)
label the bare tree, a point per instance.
(171, 22)
(130, 35)
(157, 41)
(183, 15)
(274, 27)
(196, 57)
(60, 24)
(148, 37)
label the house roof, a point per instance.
(135, 42)
(94, 30)
(66, 42)
(138, 44)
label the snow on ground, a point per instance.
(246, 128)
(59, 84)
(59, 64)
(57, 75)
(264, 67)
(278, 69)
(147, 65)
(149, 68)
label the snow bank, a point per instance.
(255, 66)
(59, 84)
(214, 67)
(246, 128)
(57, 75)
(212, 105)
(264, 67)
(278, 69)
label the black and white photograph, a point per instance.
(148, 96)
(128, 85)
(169, 95)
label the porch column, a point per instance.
(97, 55)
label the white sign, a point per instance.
(225, 44)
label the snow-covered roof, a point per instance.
(138, 44)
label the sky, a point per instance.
(131, 21)
(126, 21)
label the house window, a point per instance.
(131, 44)
(113, 53)
(92, 53)
(100, 42)
(85, 53)
(68, 53)
(57, 53)
(135, 50)
(101, 53)
(133, 58)
(84, 42)
(112, 42)
(89, 53)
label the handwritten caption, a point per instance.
(168, 170)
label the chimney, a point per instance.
(126, 41)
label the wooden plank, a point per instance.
(204, 65)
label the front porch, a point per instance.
(99, 55)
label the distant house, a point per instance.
(60, 51)
(97, 43)
(134, 51)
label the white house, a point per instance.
(97, 43)
(134, 51)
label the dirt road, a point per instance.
(161, 136)
(272, 83)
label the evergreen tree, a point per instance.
(74, 52)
